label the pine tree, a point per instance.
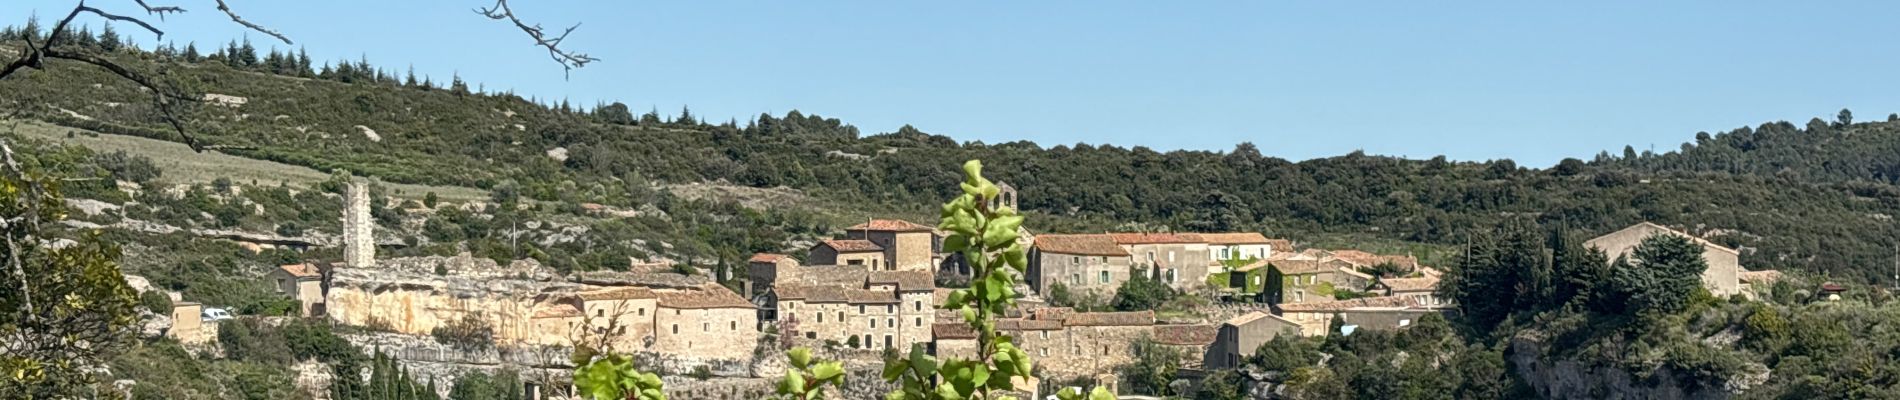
(109, 40)
(191, 52)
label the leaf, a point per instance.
(801, 357)
(825, 371)
(924, 364)
(793, 382)
(1101, 393)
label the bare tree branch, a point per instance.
(114, 17)
(160, 11)
(569, 60)
(240, 20)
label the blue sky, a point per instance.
(1531, 81)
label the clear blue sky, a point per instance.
(1532, 81)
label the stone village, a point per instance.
(873, 288)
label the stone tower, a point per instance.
(359, 241)
(1005, 196)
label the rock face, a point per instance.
(1556, 378)
(407, 296)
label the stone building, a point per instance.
(1317, 280)
(907, 246)
(1082, 263)
(764, 269)
(1239, 337)
(1364, 260)
(840, 302)
(1374, 313)
(188, 326)
(1194, 342)
(1177, 259)
(1722, 278)
(1423, 289)
(1081, 344)
(1240, 246)
(303, 283)
(953, 340)
(848, 252)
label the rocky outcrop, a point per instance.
(1557, 377)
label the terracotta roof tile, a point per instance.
(1235, 238)
(851, 245)
(1411, 284)
(1382, 302)
(711, 296)
(558, 310)
(302, 270)
(891, 225)
(1197, 335)
(951, 330)
(826, 294)
(1019, 324)
(1129, 318)
(1153, 238)
(618, 293)
(1088, 245)
(867, 296)
(767, 257)
(908, 281)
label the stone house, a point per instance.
(709, 322)
(1177, 259)
(303, 283)
(1194, 342)
(1082, 263)
(1090, 343)
(625, 314)
(1374, 313)
(907, 246)
(764, 268)
(1364, 260)
(953, 339)
(848, 252)
(1722, 278)
(1316, 280)
(838, 303)
(1239, 337)
(1238, 247)
(187, 325)
(1423, 289)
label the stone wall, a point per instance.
(359, 243)
(707, 334)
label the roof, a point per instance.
(1235, 238)
(868, 296)
(1087, 245)
(1364, 303)
(891, 225)
(767, 257)
(851, 245)
(558, 310)
(711, 296)
(1410, 284)
(1051, 313)
(1294, 267)
(1196, 335)
(1019, 324)
(301, 270)
(938, 296)
(1129, 318)
(1251, 317)
(812, 293)
(1280, 245)
(1154, 238)
(907, 281)
(1655, 226)
(951, 330)
(1763, 276)
(619, 293)
(1365, 259)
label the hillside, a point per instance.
(430, 135)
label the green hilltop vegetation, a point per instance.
(1817, 199)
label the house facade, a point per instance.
(1370, 313)
(1723, 276)
(1317, 280)
(1082, 263)
(764, 268)
(1240, 336)
(907, 246)
(1239, 246)
(303, 283)
(1178, 259)
(841, 303)
(848, 252)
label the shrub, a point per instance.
(701, 373)
(471, 332)
(156, 301)
(1142, 293)
(852, 342)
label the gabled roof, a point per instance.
(1186, 335)
(1128, 318)
(813, 293)
(1051, 313)
(1410, 284)
(767, 257)
(867, 296)
(1235, 238)
(1154, 238)
(951, 330)
(1658, 227)
(712, 296)
(1085, 244)
(1294, 267)
(301, 270)
(558, 310)
(1360, 304)
(891, 225)
(619, 293)
(1251, 317)
(1019, 324)
(907, 281)
(851, 245)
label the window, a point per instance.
(280, 285)
(1105, 350)
(1258, 280)
(676, 329)
(821, 317)
(600, 312)
(860, 309)
(676, 311)
(1405, 323)
(841, 316)
(1104, 277)
(890, 308)
(735, 325)
(874, 323)
(890, 322)
(1170, 256)
(1045, 334)
(1043, 352)
(854, 262)
(643, 311)
(1075, 279)
(705, 327)
(1299, 296)
(887, 341)
(920, 305)
(811, 335)
(1173, 274)
(1151, 256)
(920, 321)
(1076, 260)
(623, 330)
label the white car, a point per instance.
(215, 314)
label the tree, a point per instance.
(1843, 119)
(1140, 292)
(503, 385)
(1153, 368)
(1224, 384)
(65, 309)
(1657, 277)
(1505, 273)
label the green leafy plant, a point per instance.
(986, 237)
(807, 378)
(613, 377)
